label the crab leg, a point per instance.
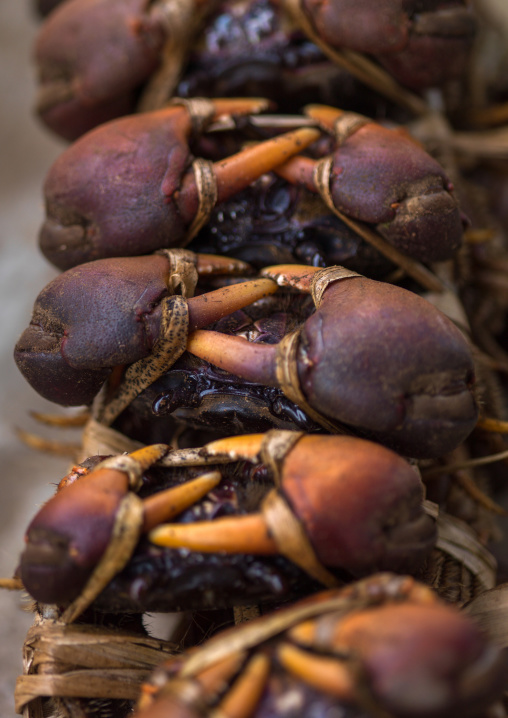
(236, 172)
(167, 504)
(252, 362)
(207, 308)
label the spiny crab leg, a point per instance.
(361, 330)
(385, 178)
(128, 188)
(314, 477)
(70, 533)
(110, 313)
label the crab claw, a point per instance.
(94, 56)
(126, 189)
(359, 503)
(107, 313)
(363, 330)
(397, 645)
(69, 535)
(385, 178)
(421, 43)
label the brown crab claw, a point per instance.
(422, 44)
(126, 189)
(91, 58)
(94, 57)
(425, 405)
(108, 313)
(385, 178)
(38, 357)
(71, 532)
(397, 645)
(359, 504)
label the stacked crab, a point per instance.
(248, 310)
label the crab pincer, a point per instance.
(382, 646)
(127, 188)
(69, 535)
(385, 178)
(421, 43)
(373, 356)
(112, 312)
(94, 56)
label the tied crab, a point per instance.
(330, 506)
(330, 367)
(128, 187)
(96, 56)
(368, 650)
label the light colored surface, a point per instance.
(27, 478)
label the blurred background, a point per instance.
(27, 477)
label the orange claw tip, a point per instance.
(148, 455)
(237, 447)
(240, 105)
(326, 674)
(216, 264)
(231, 534)
(252, 362)
(241, 700)
(207, 308)
(165, 505)
(236, 172)
(324, 114)
(291, 275)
